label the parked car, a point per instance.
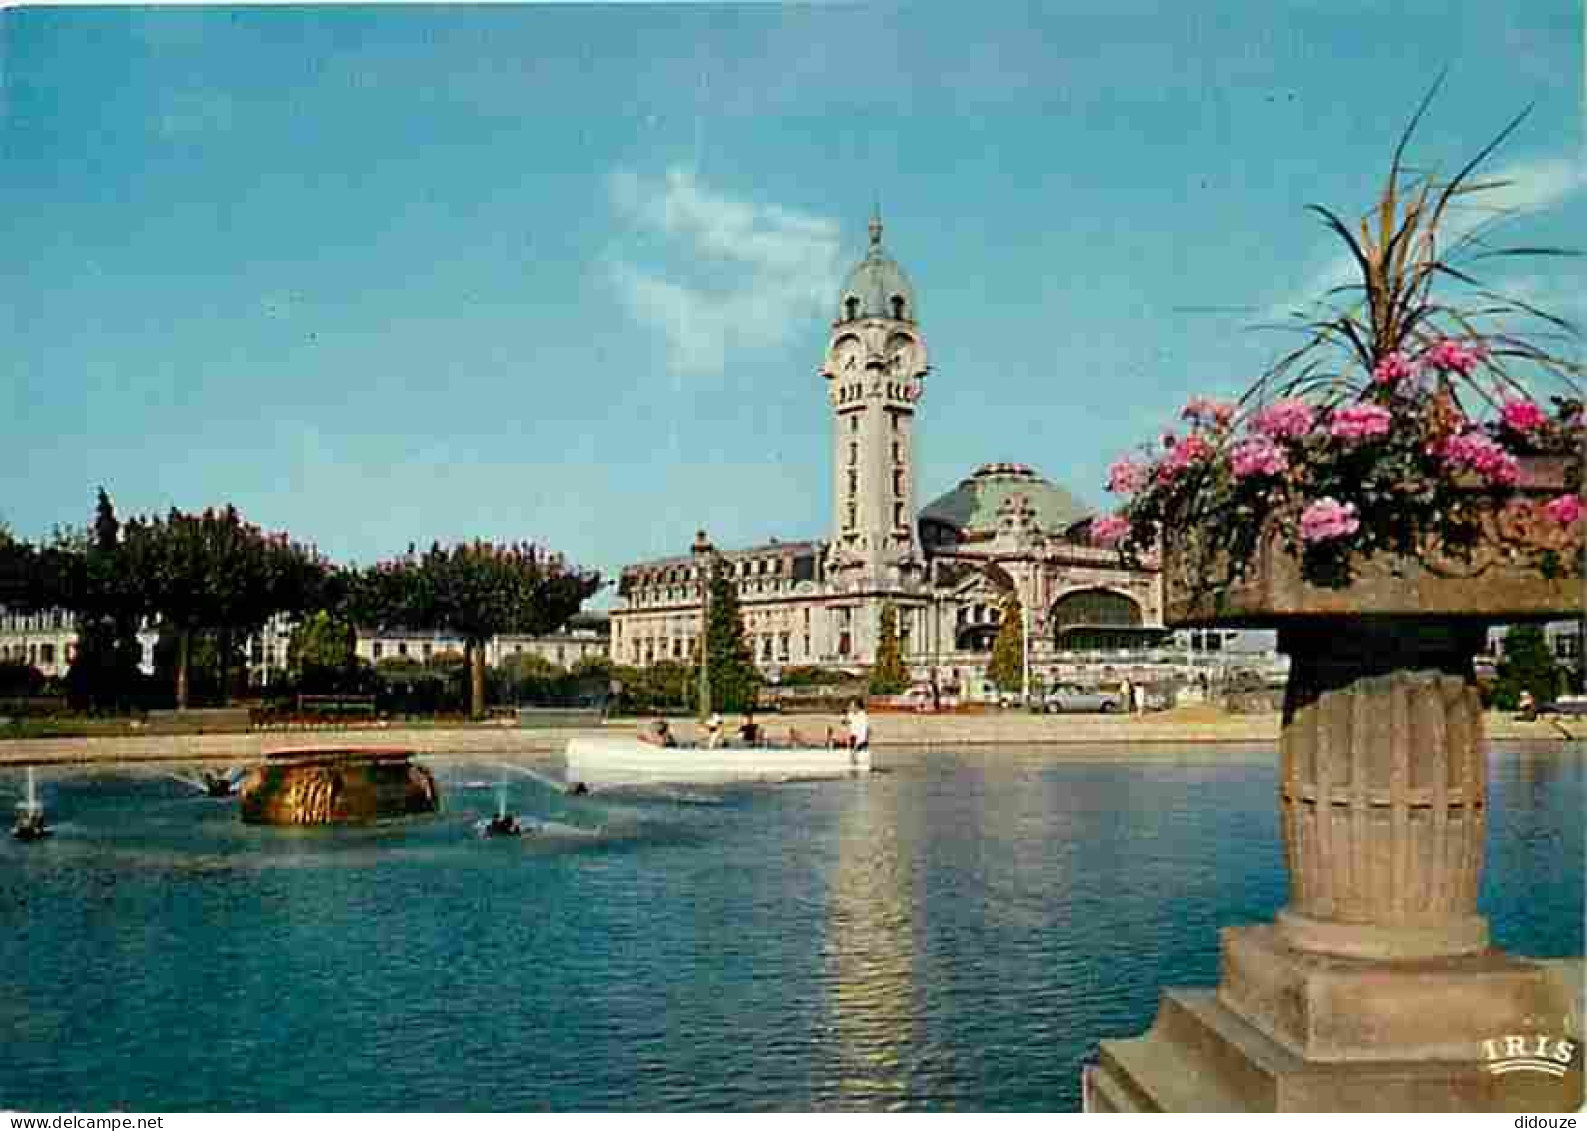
(1067, 697)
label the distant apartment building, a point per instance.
(586, 635)
(46, 639)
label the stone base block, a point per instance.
(1200, 1055)
(1449, 935)
(1327, 1008)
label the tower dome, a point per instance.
(877, 287)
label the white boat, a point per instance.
(598, 760)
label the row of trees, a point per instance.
(212, 580)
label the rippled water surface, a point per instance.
(955, 934)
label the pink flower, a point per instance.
(1565, 509)
(1125, 477)
(1205, 410)
(1284, 420)
(1328, 519)
(1479, 453)
(1108, 529)
(1393, 368)
(1257, 455)
(1186, 452)
(1360, 422)
(1522, 416)
(1448, 355)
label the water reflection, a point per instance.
(870, 950)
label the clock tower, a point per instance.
(874, 371)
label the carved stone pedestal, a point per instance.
(1376, 989)
(1290, 1032)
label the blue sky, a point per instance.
(385, 275)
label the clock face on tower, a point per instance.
(902, 355)
(846, 356)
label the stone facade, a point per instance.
(47, 640)
(945, 568)
(584, 636)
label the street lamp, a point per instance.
(1024, 636)
(701, 551)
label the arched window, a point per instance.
(852, 305)
(898, 307)
(1096, 618)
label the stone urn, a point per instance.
(1383, 760)
(1380, 960)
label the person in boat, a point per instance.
(658, 733)
(713, 731)
(750, 731)
(859, 727)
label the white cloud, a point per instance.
(724, 274)
(1527, 187)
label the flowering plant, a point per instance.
(1401, 422)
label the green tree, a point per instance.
(476, 589)
(888, 676)
(105, 672)
(734, 679)
(1007, 669)
(1527, 665)
(320, 654)
(665, 685)
(529, 678)
(214, 574)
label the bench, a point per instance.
(336, 704)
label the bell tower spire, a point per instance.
(874, 369)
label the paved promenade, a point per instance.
(894, 736)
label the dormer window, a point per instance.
(898, 307)
(852, 306)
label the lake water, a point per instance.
(956, 934)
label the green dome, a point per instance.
(972, 506)
(877, 287)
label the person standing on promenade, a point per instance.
(859, 727)
(1127, 696)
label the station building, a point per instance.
(945, 567)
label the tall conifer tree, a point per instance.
(888, 676)
(734, 680)
(1007, 669)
